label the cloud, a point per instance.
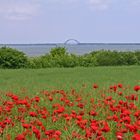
(27, 9)
(62, 1)
(106, 4)
(19, 9)
(100, 4)
(65, 3)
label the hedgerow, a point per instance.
(59, 57)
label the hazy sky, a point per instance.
(46, 21)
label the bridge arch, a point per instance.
(71, 41)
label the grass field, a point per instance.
(65, 78)
(98, 103)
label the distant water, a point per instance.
(81, 48)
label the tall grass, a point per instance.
(37, 79)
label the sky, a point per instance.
(55, 21)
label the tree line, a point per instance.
(59, 57)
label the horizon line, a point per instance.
(80, 43)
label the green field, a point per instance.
(52, 91)
(65, 78)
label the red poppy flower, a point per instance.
(95, 86)
(136, 88)
(33, 114)
(136, 137)
(20, 137)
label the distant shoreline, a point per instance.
(80, 48)
(33, 44)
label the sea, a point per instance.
(32, 50)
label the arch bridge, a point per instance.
(71, 41)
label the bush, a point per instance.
(86, 60)
(58, 51)
(35, 63)
(128, 58)
(114, 58)
(137, 54)
(65, 60)
(59, 57)
(107, 58)
(68, 61)
(11, 58)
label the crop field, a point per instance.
(99, 103)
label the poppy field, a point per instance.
(70, 104)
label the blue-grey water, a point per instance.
(82, 48)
